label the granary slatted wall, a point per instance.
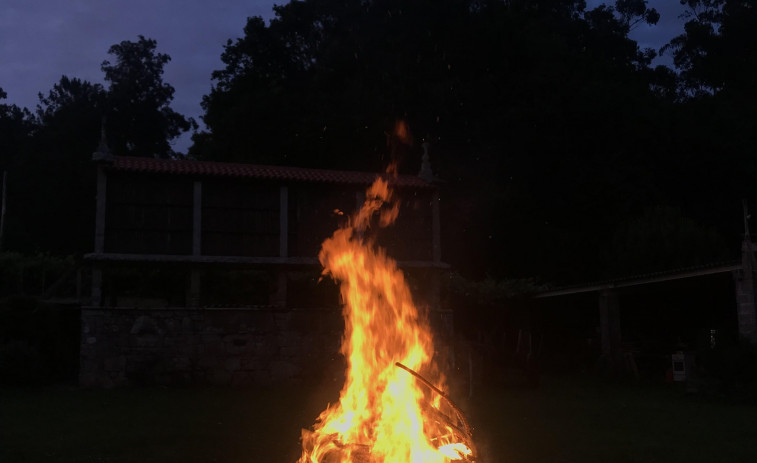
(240, 218)
(214, 220)
(148, 215)
(208, 272)
(315, 211)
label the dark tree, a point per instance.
(16, 125)
(663, 238)
(51, 189)
(140, 119)
(544, 118)
(715, 128)
(52, 183)
(716, 52)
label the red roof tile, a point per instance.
(228, 169)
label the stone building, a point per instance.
(206, 272)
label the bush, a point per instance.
(38, 342)
(20, 274)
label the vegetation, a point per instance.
(140, 119)
(39, 342)
(560, 146)
(47, 155)
(32, 275)
(548, 124)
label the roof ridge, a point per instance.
(260, 171)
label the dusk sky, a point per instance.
(44, 39)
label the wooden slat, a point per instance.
(654, 278)
(166, 258)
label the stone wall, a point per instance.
(237, 347)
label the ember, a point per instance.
(387, 411)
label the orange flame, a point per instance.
(384, 414)
(402, 132)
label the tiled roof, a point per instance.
(227, 169)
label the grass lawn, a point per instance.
(585, 421)
(562, 421)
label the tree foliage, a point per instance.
(323, 81)
(715, 131)
(48, 155)
(541, 114)
(563, 154)
(16, 129)
(140, 119)
(716, 51)
(16, 126)
(662, 235)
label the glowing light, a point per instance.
(384, 413)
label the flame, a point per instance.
(402, 132)
(456, 450)
(385, 413)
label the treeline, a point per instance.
(46, 155)
(562, 153)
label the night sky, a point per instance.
(44, 39)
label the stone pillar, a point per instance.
(436, 228)
(744, 280)
(97, 286)
(609, 323)
(436, 250)
(195, 282)
(100, 203)
(283, 221)
(102, 182)
(279, 298)
(197, 218)
(193, 292)
(2, 206)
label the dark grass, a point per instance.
(155, 424)
(569, 420)
(564, 420)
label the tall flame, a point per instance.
(384, 414)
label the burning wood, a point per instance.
(384, 414)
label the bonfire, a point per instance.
(392, 407)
